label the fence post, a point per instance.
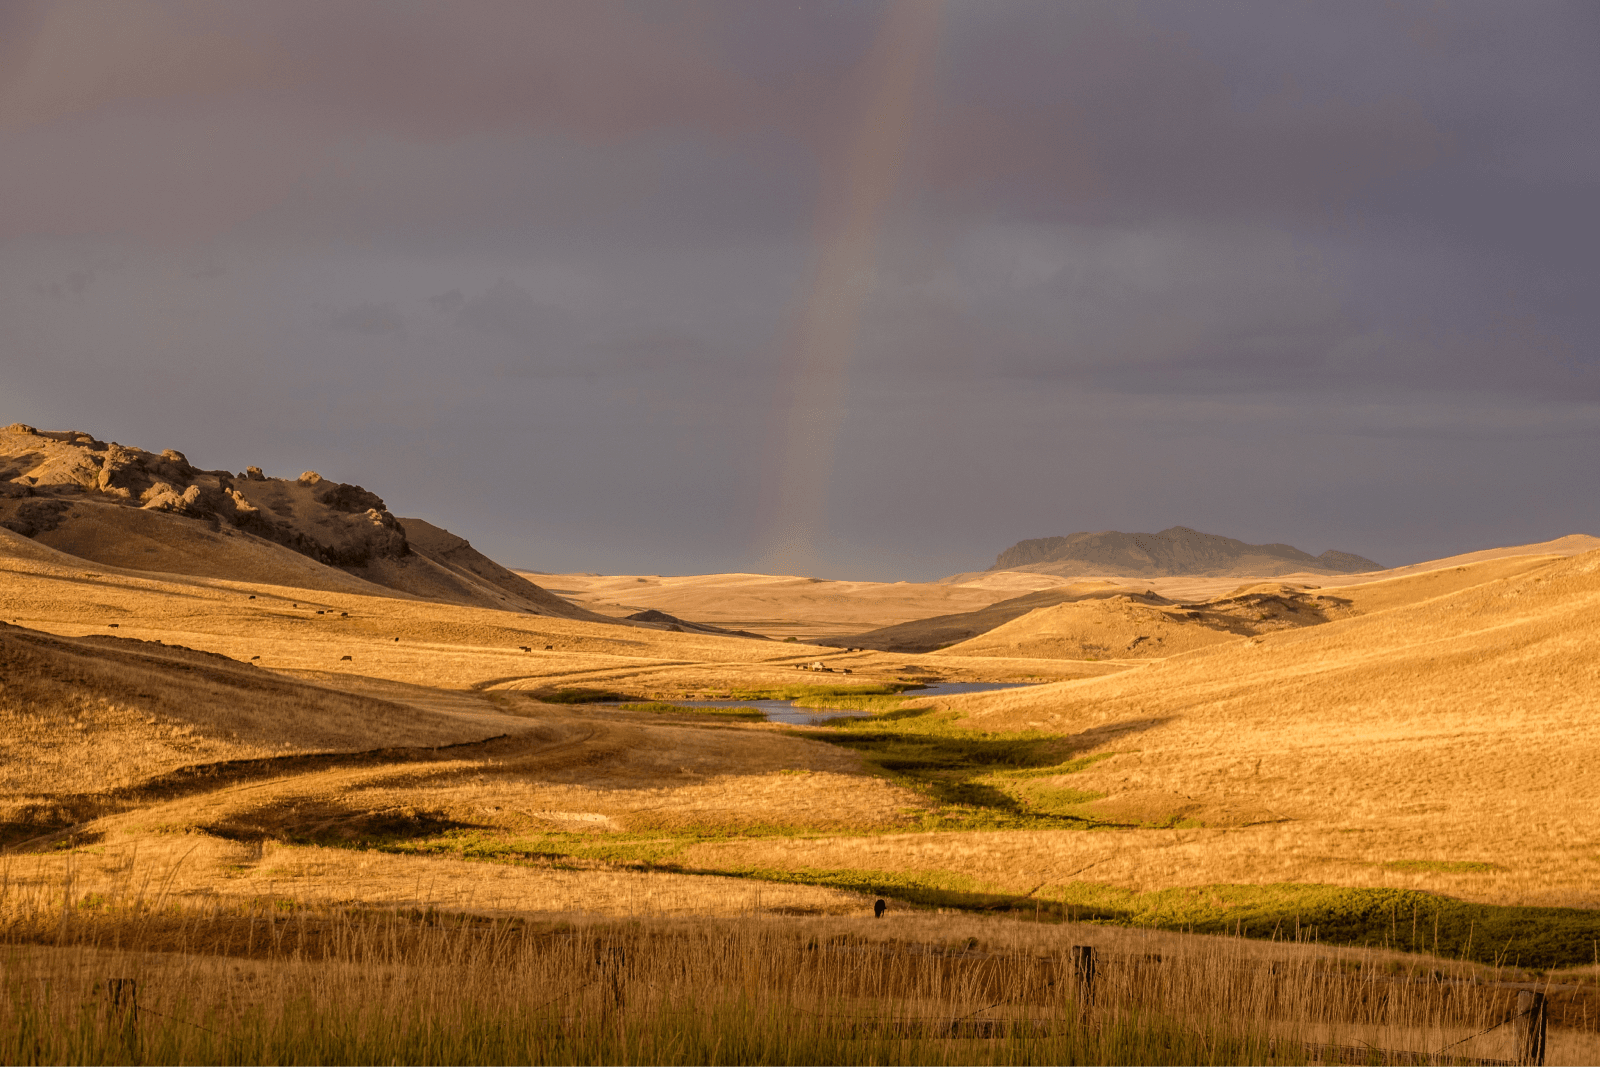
(123, 994)
(1527, 1028)
(1083, 961)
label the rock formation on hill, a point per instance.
(126, 507)
(1175, 551)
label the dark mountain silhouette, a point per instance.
(1175, 551)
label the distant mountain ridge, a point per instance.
(1178, 550)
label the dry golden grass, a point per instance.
(1116, 628)
(1457, 724)
(782, 605)
(1448, 718)
(260, 982)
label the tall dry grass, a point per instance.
(276, 982)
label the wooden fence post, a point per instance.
(1527, 1028)
(1083, 965)
(123, 994)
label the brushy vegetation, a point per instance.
(135, 981)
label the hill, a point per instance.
(1458, 697)
(128, 508)
(85, 720)
(1174, 551)
(775, 605)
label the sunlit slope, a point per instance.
(82, 715)
(1143, 619)
(1477, 705)
(1122, 627)
(1570, 545)
(942, 631)
(773, 605)
(356, 640)
(1099, 620)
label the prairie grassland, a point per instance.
(114, 979)
(1435, 742)
(1456, 727)
(779, 606)
(425, 643)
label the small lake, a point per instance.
(785, 711)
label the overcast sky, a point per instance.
(851, 289)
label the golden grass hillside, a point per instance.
(1457, 730)
(780, 605)
(1288, 761)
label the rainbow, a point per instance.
(855, 190)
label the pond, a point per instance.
(785, 711)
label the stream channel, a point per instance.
(785, 711)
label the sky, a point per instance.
(855, 290)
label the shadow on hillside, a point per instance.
(303, 821)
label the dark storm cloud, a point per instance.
(1310, 273)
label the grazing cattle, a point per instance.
(111, 625)
(252, 596)
(255, 657)
(879, 907)
(397, 640)
(549, 648)
(344, 614)
(345, 658)
(525, 648)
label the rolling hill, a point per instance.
(1444, 700)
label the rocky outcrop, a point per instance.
(45, 472)
(156, 511)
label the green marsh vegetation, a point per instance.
(978, 780)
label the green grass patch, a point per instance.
(661, 707)
(645, 847)
(978, 780)
(621, 849)
(876, 703)
(1402, 919)
(1406, 920)
(935, 888)
(1442, 866)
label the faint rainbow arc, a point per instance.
(852, 205)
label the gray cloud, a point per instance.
(370, 318)
(1310, 273)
